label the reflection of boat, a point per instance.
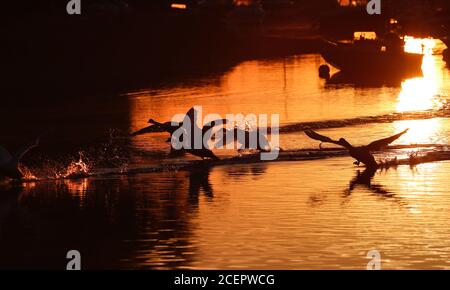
(372, 56)
(342, 78)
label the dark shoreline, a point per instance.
(54, 56)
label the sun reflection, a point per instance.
(419, 45)
(420, 131)
(418, 94)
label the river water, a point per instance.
(290, 214)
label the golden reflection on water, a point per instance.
(420, 45)
(77, 187)
(289, 87)
(422, 93)
(419, 94)
(302, 216)
(420, 131)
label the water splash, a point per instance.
(27, 174)
(76, 169)
(53, 169)
(110, 156)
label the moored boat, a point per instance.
(372, 56)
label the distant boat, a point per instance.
(372, 56)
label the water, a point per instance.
(305, 214)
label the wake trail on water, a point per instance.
(386, 118)
(114, 158)
(414, 154)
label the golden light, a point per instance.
(393, 21)
(178, 6)
(421, 93)
(243, 2)
(418, 94)
(419, 45)
(420, 131)
(353, 3)
(364, 35)
(77, 187)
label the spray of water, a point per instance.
(109, 154)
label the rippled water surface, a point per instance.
(308, 214)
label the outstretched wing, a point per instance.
(24, 150)
(190, 117)
(382, 143)
(214, 123)
(149, 129)
(316, 136)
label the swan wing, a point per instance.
(382, 143)
(316, 136)
(190, 117)
(149, 129)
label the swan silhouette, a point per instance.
(262, 143)
(190, 121)
(9, 164)
(204, 151)
(157, 127)
(362, 154)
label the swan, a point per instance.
(262, 143)
(362, 154)
(157, 127)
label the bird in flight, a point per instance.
(362, 154)
(189, 126)
(169, 127)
